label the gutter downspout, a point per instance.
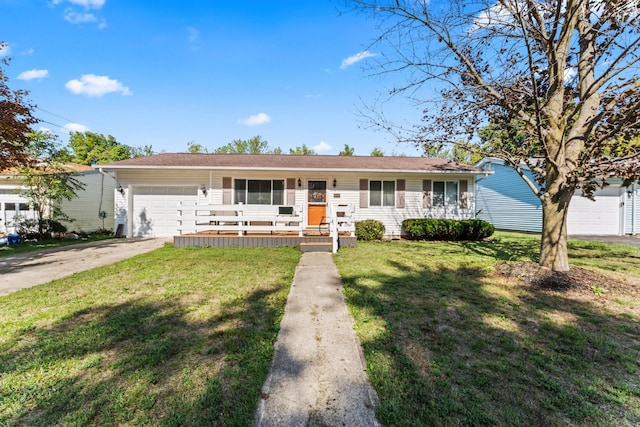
(486, 175)
(112, 176)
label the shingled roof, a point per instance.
(66, 167)
(292, 162)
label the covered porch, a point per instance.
(264, 225)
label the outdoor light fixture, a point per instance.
(299, 183)
(120, 189)
(334, 183)
(203, 188)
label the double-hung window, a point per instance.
(259, 191)
(382, 193)
(445, 193)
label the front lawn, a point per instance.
(169, 338)
(448, 341)
(185, 337)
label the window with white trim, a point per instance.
(382, 193)
(20, 207)
(445, 193)
(259, 191)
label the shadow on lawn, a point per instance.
(455, 350)
(139, 363)
(503, 249)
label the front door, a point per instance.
(317, 207)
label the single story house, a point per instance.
(389, 189)
(90, 211)
(504, 200)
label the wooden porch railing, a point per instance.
(193, 218)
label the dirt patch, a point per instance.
(577, 280)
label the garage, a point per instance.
(601, 216)
(155, 209)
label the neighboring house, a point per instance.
(96, 197)
(388, 189)
(508, 203)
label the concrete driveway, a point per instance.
(35, 268)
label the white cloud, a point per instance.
(88, 4)
(356, 58)
(323, 146)
(255, 120)
(497, 15)
(46, 130)
(75, 127)
(82, 17)
(33, 75)
(79, 18)
(92, 85)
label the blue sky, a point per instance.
(164, 73)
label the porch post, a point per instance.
(130, 209)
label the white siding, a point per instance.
(97, 196)
(632, 209)
(121, 209)
(164, 177)
(392, 216)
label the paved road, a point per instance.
(35, 268)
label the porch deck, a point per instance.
(224, 226)
(310, 240)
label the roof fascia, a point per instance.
(333, 170)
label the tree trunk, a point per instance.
(553, 244)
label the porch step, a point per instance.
(316, 247)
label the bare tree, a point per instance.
(558, 78)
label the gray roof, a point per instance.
(292, 162)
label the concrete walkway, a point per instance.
(318, 376)
(35, 268)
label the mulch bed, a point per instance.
(577, 279)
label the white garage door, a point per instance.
(599, 217)
(155, 209)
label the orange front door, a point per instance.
(317, 206)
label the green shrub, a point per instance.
(369, 229)
(447, 229)
(30, 228)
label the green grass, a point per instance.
(447, 342)
(185, 337)
(24, 247)
(173, 337)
